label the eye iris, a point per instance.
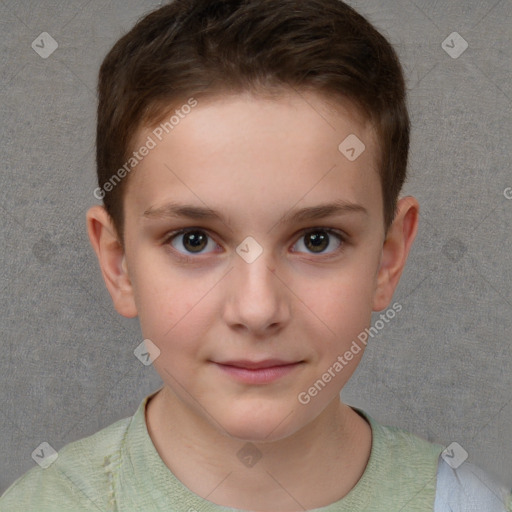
(196, 239)
(317, 240)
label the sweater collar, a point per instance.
(144, 482)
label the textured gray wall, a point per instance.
(440, 369)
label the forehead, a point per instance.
(251, 157)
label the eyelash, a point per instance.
(188, 259)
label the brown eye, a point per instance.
(189, 241)
(317, 240)
(194, 241)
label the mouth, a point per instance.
(258, 372)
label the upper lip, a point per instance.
(257, 365)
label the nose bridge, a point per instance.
(256, 293)
(255, 267)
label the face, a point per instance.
(283, 276)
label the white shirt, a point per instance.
(468, 489)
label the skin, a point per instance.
(254, 160)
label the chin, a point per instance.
(260, 427)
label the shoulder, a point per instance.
(411, 445)
(78, 477)
(465, 489)
(469, 489)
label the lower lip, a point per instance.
(260, 376)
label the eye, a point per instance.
(191, 240)
(317, 239)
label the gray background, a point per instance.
(440, 369)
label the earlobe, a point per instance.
(112, 260)
(400, 237)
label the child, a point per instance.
(277, 134)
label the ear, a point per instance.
(111, 257)
(401, 235)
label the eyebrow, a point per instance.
(176, 210)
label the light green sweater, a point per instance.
(119, 469)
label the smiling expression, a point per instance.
(251, 240)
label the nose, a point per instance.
(257, 297)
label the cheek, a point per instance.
(159, 299)
(173, 308)
(341, 303)
(165, 316)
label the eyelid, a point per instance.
(334, 231)
(175, 233)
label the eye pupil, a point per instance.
(317, 240)
(196, 239)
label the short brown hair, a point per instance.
(190, 48)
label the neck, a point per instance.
(330, 454)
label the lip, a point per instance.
(258, 372)
(257, 365)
